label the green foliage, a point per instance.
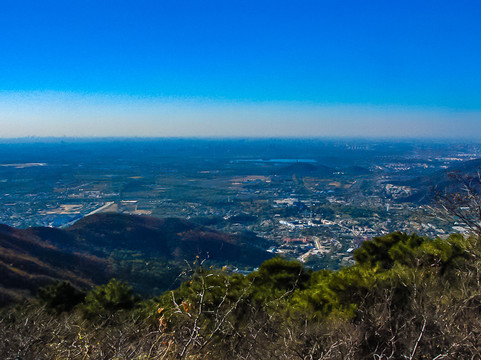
(397, 261)
(278, 277)
(384, 251)
(447, 255)
(104, 300)
(60, 296)
(149, 274)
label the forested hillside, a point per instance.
(407, 297)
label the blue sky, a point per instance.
(240, 68)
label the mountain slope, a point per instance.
(152, 252)
(169, 238)
(29, 261)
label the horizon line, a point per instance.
(95, 138)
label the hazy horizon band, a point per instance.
(55, 114)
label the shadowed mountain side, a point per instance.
(468, 167)
(169, 238)
(82, 253)
(28, 261)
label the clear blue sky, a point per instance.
(240, 68)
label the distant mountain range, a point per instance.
(82, 253)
